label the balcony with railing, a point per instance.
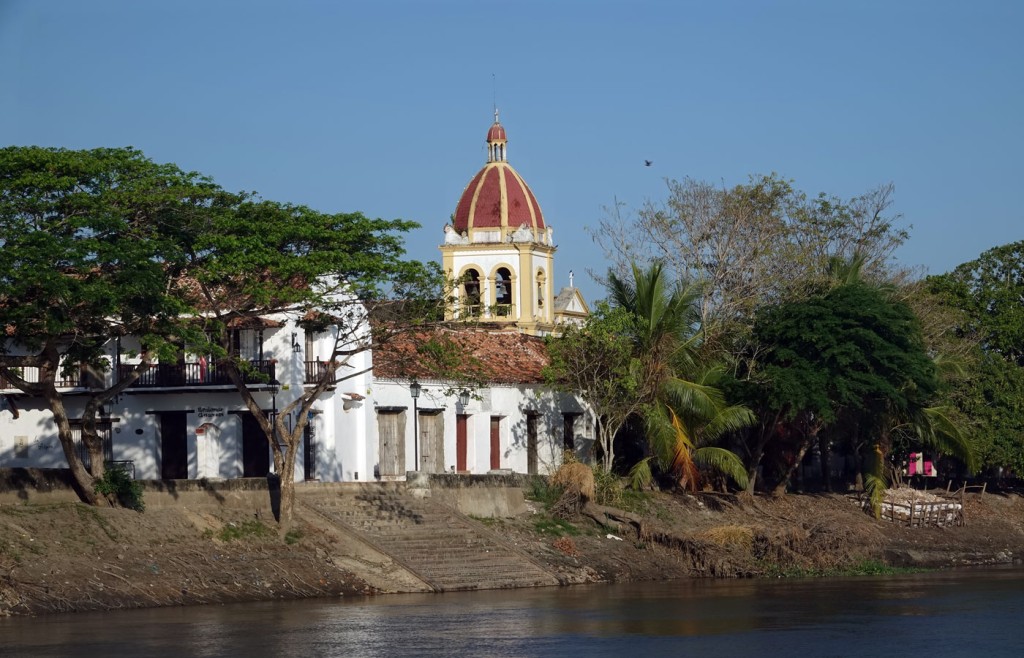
(174, 375)
(79, 378)
(503, 310)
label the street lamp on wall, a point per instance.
(414, 391)
(296, 348)
(275, 388)
(463, 398)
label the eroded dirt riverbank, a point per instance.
(69, 557)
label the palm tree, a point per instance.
(684, 405)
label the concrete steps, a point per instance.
(440, 546)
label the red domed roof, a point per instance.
(497, 197)
(496, 133)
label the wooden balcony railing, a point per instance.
(195, 374)
(314, 371)
(72, 380)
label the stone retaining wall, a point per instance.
(482, 496)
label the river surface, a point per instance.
(956, 613)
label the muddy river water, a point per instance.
(953, 613)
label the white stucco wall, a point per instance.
(345, 427)
(512, 404)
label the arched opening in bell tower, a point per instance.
(471, 292)
(503, 293)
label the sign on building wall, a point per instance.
(211, 412)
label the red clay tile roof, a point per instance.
(445, 354)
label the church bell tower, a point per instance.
(499, 248)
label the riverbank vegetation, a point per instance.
(761, 339)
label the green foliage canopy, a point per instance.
(853, 348)
(988, 295)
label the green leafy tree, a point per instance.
(990, 291)
(86, 255)
(853, 357)
(596, 362)
(105, 243)
(988, 324)
(326, 271)
(683, 405)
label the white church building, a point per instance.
(185, 420)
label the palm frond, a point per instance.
(723, 461)
(875, 482)
(732, 418)
(941, 432)
(683, 466)
(640, 476)
(948, 365)
(700, 401)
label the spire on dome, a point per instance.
(496, 140)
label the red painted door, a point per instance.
(495, 443)
(461, 441)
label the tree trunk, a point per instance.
(756, 453)
(755, 463)
(287, 474)
(780, 488)
(607, 438)
(84, 483)
(825, 448)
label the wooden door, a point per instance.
(173, 445)
(431, 442)
(309, 450)
(531, 444)
(495, 442)
(255, 448)
(461, 441)
(569, 431)
(391, 438)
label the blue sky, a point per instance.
(383, 107)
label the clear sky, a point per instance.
(383, 106)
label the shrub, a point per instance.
(118, 484)
(607, 488)
(540, 490)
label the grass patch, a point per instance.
(292, 536)
(488, 521)
(244, 530)
(876, 568)
(863, 568)
(556, 527)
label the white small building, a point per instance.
(186, 420)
